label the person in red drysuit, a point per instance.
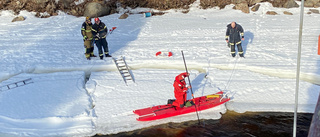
(180, 90)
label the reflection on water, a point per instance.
(232, 124)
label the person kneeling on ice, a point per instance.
(180, 91)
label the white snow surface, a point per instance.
(71, 96)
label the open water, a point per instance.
(232, 124)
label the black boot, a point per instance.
(88, 58)
(101, 57)
(92, 55)
(170, 101)
(107, 55)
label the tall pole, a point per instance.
(298, 70)
(185, 65)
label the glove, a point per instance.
(85, 38)
(97, 35)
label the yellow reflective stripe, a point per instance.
(82, 29)
(100, 54)
(94, 30)
(88, 30)
(233, 52)
(227, 37)
(236, 43)
(89, 39)
(104, 36)
(104, 27)
(240, 52)
(241, 34)
(106, 52)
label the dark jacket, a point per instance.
(101, 29)
(233, 34)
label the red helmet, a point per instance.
(96, 19)
(180, 78)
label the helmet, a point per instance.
(180, 78)
(96, 19)
(88, 18)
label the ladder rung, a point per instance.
(127, 76)
(122, 66)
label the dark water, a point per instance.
(249, 124)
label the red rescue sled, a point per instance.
(165, 111)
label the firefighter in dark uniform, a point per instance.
(234, 35)
(86, 31)
(100, 30)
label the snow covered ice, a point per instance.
(70, 96)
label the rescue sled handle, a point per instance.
(213, 96)
(185, 65)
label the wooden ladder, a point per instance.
(123, 70)
(16, 84)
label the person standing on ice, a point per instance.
(100, 30)
(234, 35)
(180, 90)
(88, 38)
